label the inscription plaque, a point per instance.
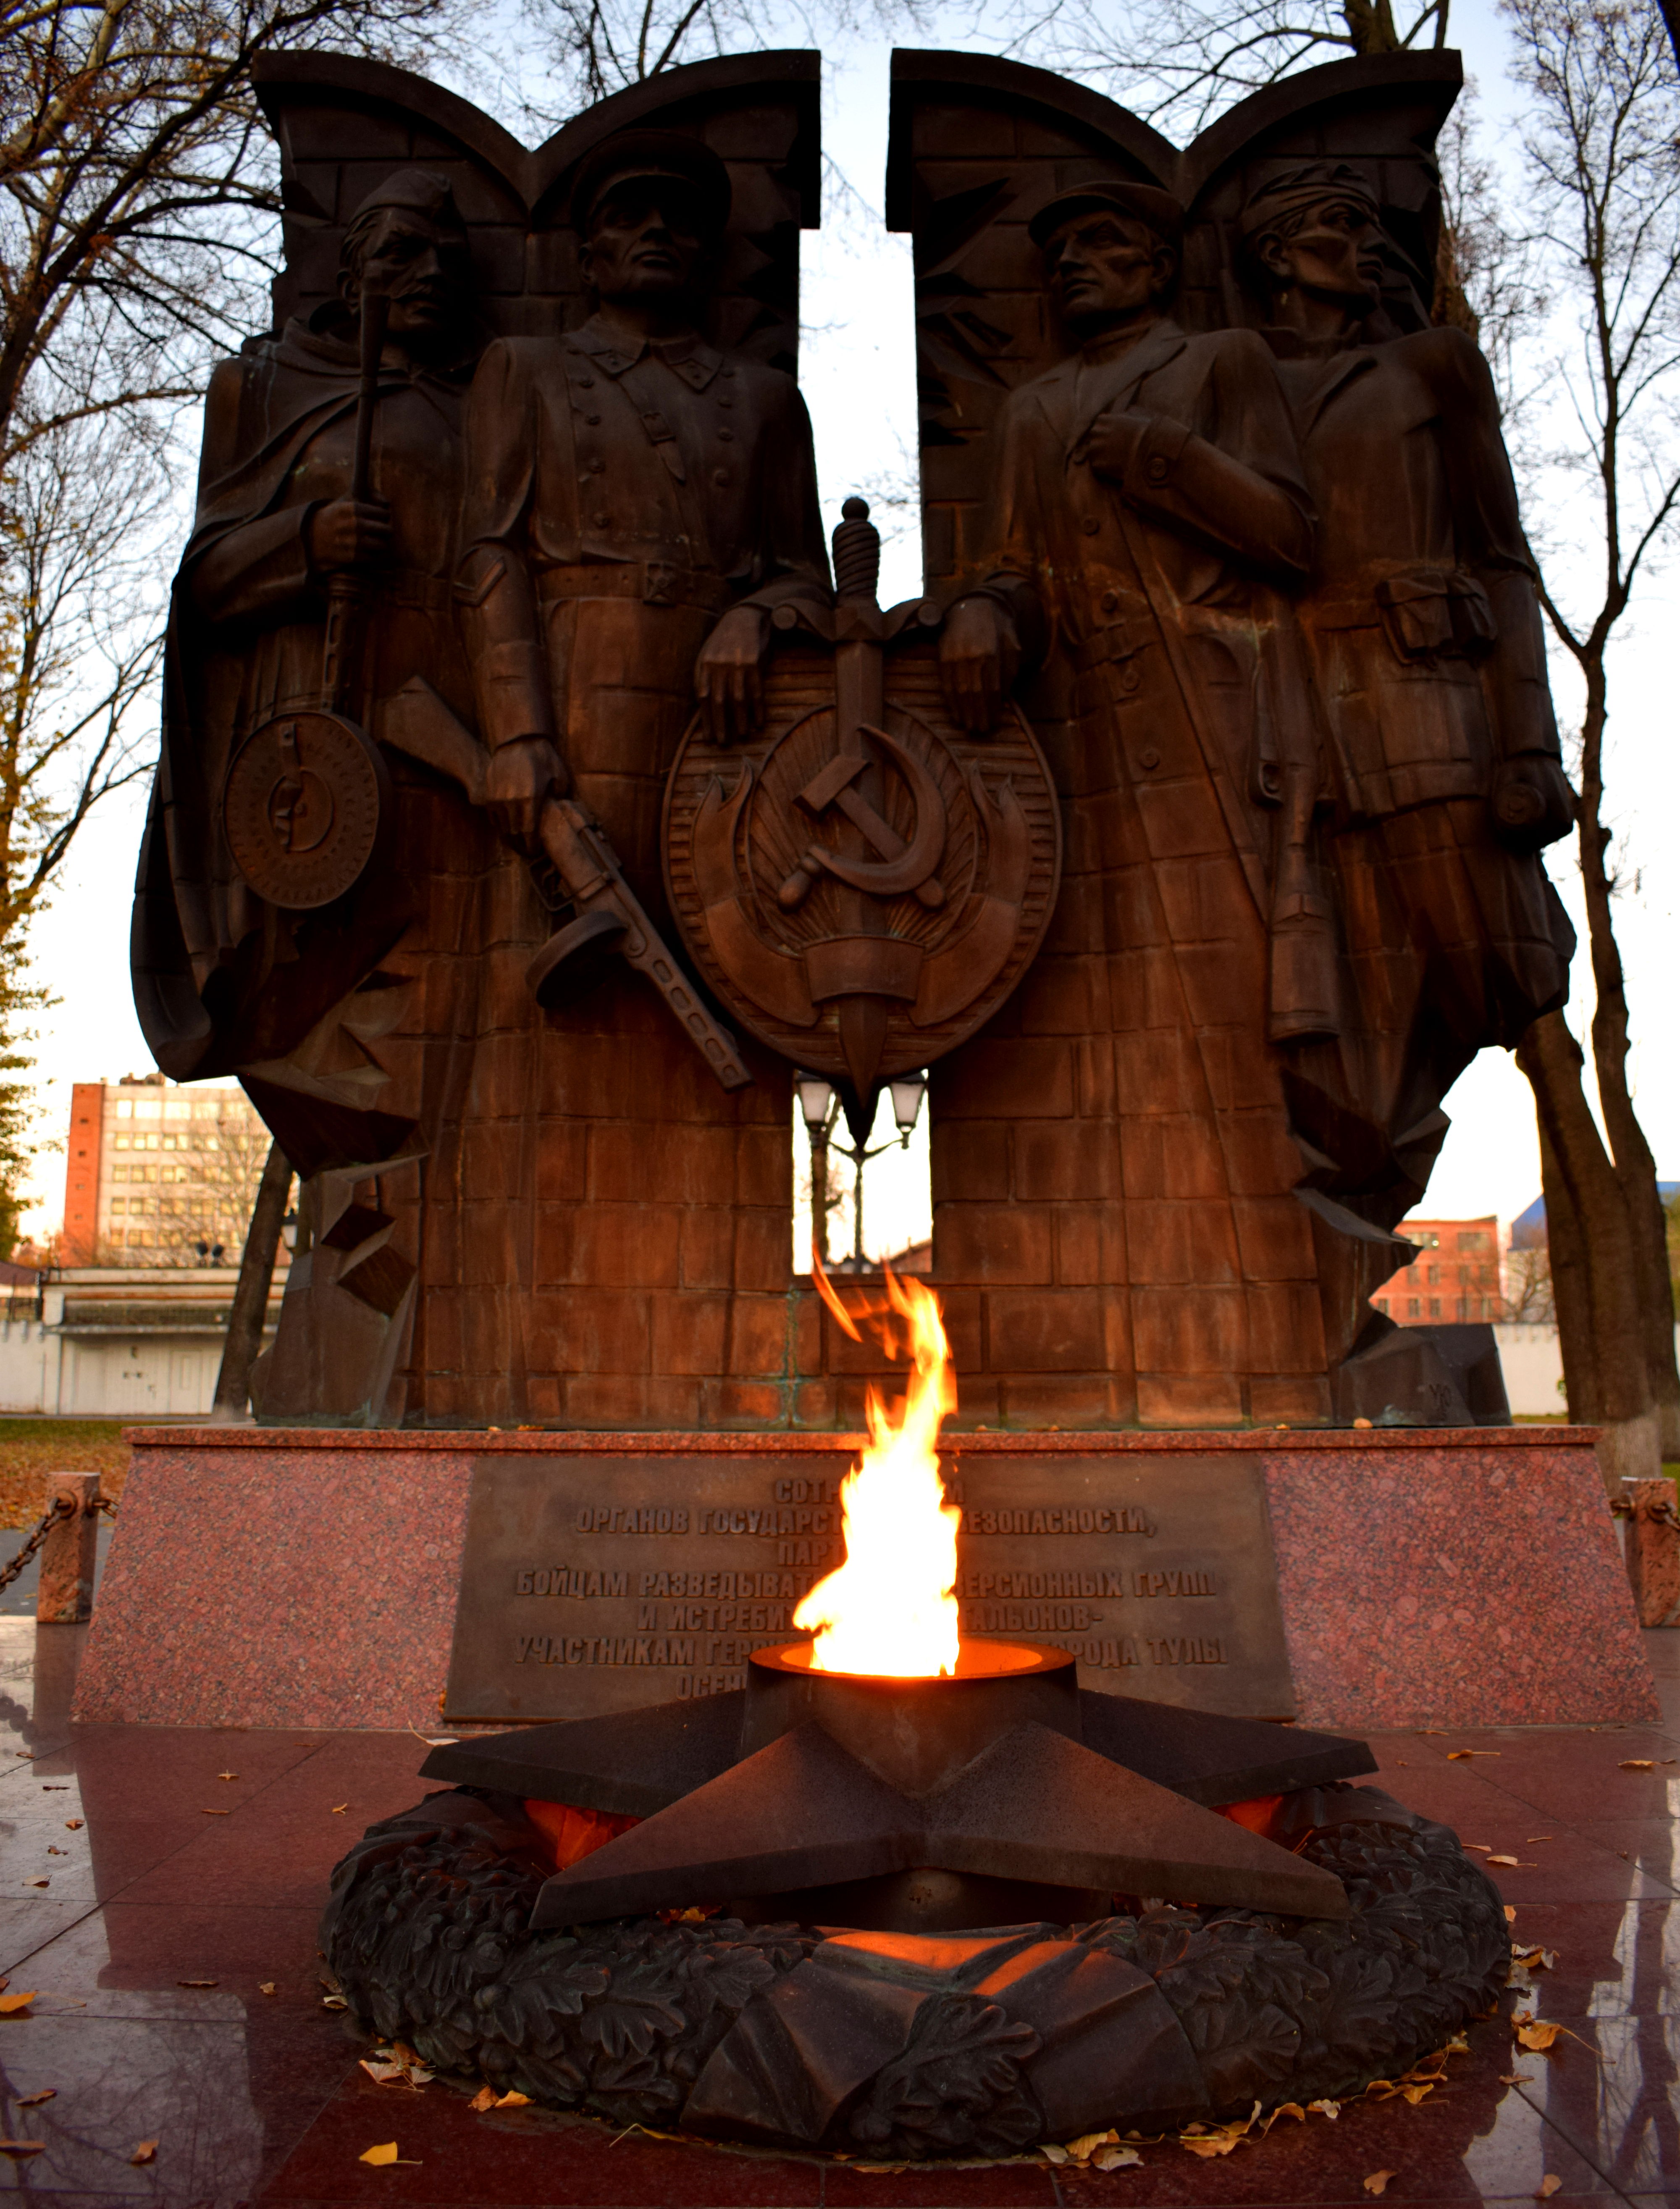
(589, 1586)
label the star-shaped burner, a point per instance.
(998, 1794)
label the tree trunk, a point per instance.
(250, 1297)
(1636, 1170)
(1608, 1342)
(1572, 1304)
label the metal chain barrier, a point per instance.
(1664, 1513)
(63, 1508)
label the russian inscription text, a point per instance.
(1155, 1571)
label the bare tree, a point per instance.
(1603, 202)
(588, 48)
(138, 187)
(1181, 62)
(213, 1186)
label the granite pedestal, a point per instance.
(308, 1577)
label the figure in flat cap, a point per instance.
(1423, 631)
(1149, 511)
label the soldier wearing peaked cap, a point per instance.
(639, 500)
(631, 489)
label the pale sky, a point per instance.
(858, 373)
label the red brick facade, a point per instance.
(82, 1172)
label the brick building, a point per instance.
(1455, 1276)
(151, 1171)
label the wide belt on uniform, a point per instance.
(654, 582)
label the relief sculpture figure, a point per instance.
(638, 503)
(1422, 628)
(222, 979)
(1150, 509)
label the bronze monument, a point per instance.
(534, 799)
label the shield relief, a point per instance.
(863, 884)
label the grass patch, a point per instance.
(32, 1449)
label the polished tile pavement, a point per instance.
(184, 1871)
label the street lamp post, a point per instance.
(820, 1105)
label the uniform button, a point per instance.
(1110, 601)
(1157, 469)
(1090, 525)
(593, 420)
(598, 466)
(1150, 757)
(585, 383)
(1131, 680)
(720, 476)
(726, 436)
(601, 519)
(726, 399)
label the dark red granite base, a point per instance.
(306, 1577)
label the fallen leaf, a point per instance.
(511, 2101)
(28, 1755)
(1379, 2180)
(1636, 1764)
(1482, 1848)
(1549, 2186)
(227, 1775)
(440, 1740)
(1083, 2149)
(1513, 1861)
(385, 2153)
(37, 1882)
(1328, 2109)
(1458, 2045)
(333, 2002)
(1517, 2078)
(33, 2101)
(21, 2147)
(483, 2099)
(266, 1987)
(1511, 1915)
(384, 2074)
(72, 1825)
(1458, 1755)
(1536, 2033)
(1415, 2089)
(1052, 2153)
(1532, 1837)
(338, 1809)
(198, 1983)
(218, 1813)
(1115, 2158)
(144, 2152)
(11, 2005)
(53, 1851)
(55, 1786)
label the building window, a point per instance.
(1435, 1307)
(1382, 1304)
(1412, 1308)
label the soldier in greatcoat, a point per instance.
(1423, 631)
(1150, 507)
(220, 979)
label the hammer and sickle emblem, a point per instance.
(901, 867)
(300, 806)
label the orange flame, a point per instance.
(891, 1608)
